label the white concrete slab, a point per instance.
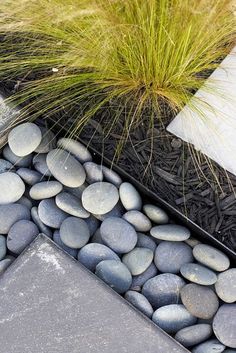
(211, 125)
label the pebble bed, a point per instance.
(53, 187)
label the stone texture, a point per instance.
(56, 237)
(93, 172)
(170, 232)
(16, 160)
(226, 285)
(48, 141)
(21, 234)
(155, 214)
(138, 260)
(192, 335)
(140, 302)
(140, 222)
(76, 148)
(224, 325)
(145, 241)
(3, 248)
(45, 190)
(5, 166)
(71, 205)
(41, 226)
(74, 232)
(40, 164)
(50, 214)
(211, 257)
(13, 188)
(10, 214)
(198, 274)
(130, 197)
(210, 346)
(138, 281)
(111, 176)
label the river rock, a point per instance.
(140, 302)
(115, 274)
(226, 286)
(24, 139)
(26, 202)
(5, 166)
(93, 172)
(200, 301)
(13, 188)
(40, 164)
(198, 274)
(74, 232)
(29, 176)
(3, 247)
(192, 242)
(65, 168)
(130, 197)
(77, 192)
(71, 205)
(192, 335)
(45, 190)
(171, 255)
(172, 318)
(41, 226)
(170, 232)
(211, 257)
(118, 234)
(117, 211)
(111, 176)
(58, 241)
(10, 214)
(21, 234)
(16, 160)
(144, 241)
(4, 264)
(91, 254)
(224, 325)
(138, 260)
(96, 238)
(80, 152)
(100, 198)
(210, 346)
(138, 281)
(163, 289)
(92, 224)
(155, 214)
(140, 222)
(50, 214)
(48, 141)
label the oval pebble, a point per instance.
(4, 264)
(170, 232)
(45, 190)
(210, 346)
(48, 141)
(100, 198)
(138, 260)
(71, 205)
(138, 281)
(65, 168)
(50, 214)
(13, 188)
(118, 234)
(58, 241)
(164, 289)
(76, 148)
(93, 172)
(172, 318)
(155, 214)
(140, 302)
(130, 197)
(26, 202)
(74, 232)
(10, 214)
(226, 285)
(195, 334)
(41, 226)
(144, 241)
(198, 274)
(29, 176)
(111, 176)
(3, 247)
(5, 166)
(21, 234)
(140, 222)
(24, 139)
(200, 301)
(171, 255)
(91, 254)
(211, 257)
(115, 274)
(40, 164)
(16, 160)
(224, 325)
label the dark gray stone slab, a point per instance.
(52, 304)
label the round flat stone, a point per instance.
(45, 190)
(74, 232)
(91, 254)
(138, 281)
(5, 166)
(118, 234)
(155, 214)
(171, 255)
(100, 198)
(40, 164)
(140, 222)
(130, 197)
(93, 172)
(48, 141)
(21, 234)
(65, 168)
(115, 274)
(41, 226)
(92, 224)
(12, 188)
(16, 160)
(58, 241)
(211, 257)
(198, 274)
(4, 264)
(76, 148)
(224, 325)
(10, 214)
(24, 139)
(210, 346)
(172, 318)
(111, 176)
(138, 260)
(144, 241)
(195, 334)
(200, 301)
(139, 302)
(50, 214)
(170, 232)
(163, 289)
(226, 285)
(29, 176)
(3, 247)
(71, 205)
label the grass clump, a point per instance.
(128, 55)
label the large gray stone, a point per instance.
(29, 176)
(192, 335)
(16, 160)
(198, 274)
(224, 325)
(138, 281)
(71, 205)
(138, 260)
(21, 234)
(76, 148)
(139, 221)
(74, 232)
(155, 214)
(41, 226)
(50, 214)
(12, 188)
(210, 346)
(45, 190)
(170, 232)
(10, 214)
(111, 176)
(140, 302)
(130, 197)
(211, 257)
(226, 285)
(40, 164)
(93, 172)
